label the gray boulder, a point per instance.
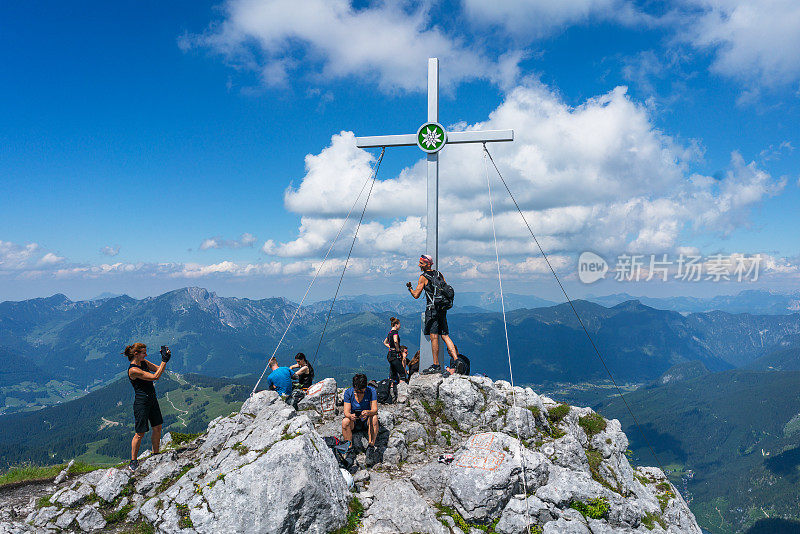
(89, 519)
(112, 483)
(320, 397)
(398, 507)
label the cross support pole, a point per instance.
(432, 144)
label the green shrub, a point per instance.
(355, 511)
(179, 438)
(185, 521)
(592, 424)
(594, 509)
(649, 520)
(119, 515)
(536, 413)
(557, 413)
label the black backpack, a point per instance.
(461, 365)
(443, 293)
(384, 389)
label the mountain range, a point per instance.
(80, 343)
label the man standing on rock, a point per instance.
(361, 413)
(431, 281)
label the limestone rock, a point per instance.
(89, 519)
(321, 397)
(112, 483)
(398, 507)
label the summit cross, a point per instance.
(431, 137)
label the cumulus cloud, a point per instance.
(108, 250)
(14, 257)
(50, 259)
(246, 240)
(596, 176)
(756, 41)
(388, 42)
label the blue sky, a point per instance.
(147, 130)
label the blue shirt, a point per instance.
(357, 407)
(281, 378)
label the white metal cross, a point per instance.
(448, 138)
(432, 137)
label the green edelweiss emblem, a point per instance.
(431, 137)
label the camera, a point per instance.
(165, 353)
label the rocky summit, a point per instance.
(456, 455)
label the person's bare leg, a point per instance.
(155, 439)
(135, 442)
(451, 347)
(347, 429)
(373, 429)
(435, 348)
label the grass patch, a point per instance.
(179, 438)
(446, 434)
(535, 411)
(592, 424)
(169, 481)
(649, 520)
(436, 411)
(557, 413)
(185, 521)
(219, 478)
(355, 511)
(460, 522)
(119, 515)
(642, 479)
(43, 502)
(536, 529)
(595, 459)
(140, 527)
(243, 448)
(593, 509)
(664, 499)
(38, 473)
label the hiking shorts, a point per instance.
(435, 322)
(146, 410)
(359, 425)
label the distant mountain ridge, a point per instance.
(755, 301)
(81, 342)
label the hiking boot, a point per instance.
(432, 370)
(134, 465)
(371, 455)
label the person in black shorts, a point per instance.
(397, 370)
(435, 319)
(146, 410)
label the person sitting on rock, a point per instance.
(397, 370)
(280, 378)
(361, 413)
(413, 365)
(304, 373)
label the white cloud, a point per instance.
(756, 41)
(14, 257)
(246, 240)
(50, 259)
(386, 42)
(529, 19)
(108, 250)
(596, 176)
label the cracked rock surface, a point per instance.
(518, 462)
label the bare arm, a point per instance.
(303, 370)
(347, 412)
(373, 409)
(396, 342)
(135, 372)
(420, 286)
(151, 366)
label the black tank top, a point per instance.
(307, 379)
(143, 388)
(390, 339)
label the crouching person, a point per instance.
(361, 413)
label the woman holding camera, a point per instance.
(146, 410)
